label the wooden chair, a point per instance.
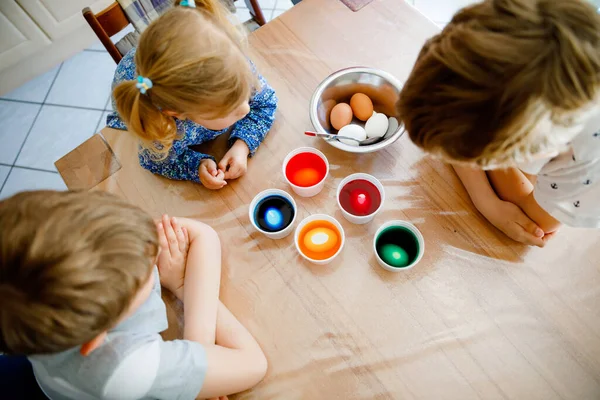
(113, 19)
(107, 23)
(256, 11)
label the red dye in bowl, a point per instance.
(305, 169)
(360, 197)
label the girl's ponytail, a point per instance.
(143, 117)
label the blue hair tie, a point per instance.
(188, 3)
(144, 84)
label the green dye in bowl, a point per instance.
(397, 246)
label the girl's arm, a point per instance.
(253, 128)
(181, 163)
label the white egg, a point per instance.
(393, 126)
(353, 131)
(377, 125)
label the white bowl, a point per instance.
(415, 231)
(360, 219)
(272, 192)
(319, 217)
(306, 191)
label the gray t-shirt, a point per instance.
(133, 363)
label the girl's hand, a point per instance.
(173, 241)
(235, 162)
(210, 176)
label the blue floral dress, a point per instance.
(182, 162)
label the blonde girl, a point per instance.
(508, 93)
(187, 82)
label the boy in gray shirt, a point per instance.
(80, 280)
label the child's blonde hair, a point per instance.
(480, 87)
(196, 62)
(71, 263)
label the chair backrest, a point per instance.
(17, 380)
(107, 23)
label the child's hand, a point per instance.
(173, 241)
(511, 220)
(210, 176)
(235, 162)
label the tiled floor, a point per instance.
(53, 113)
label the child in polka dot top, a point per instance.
(508, 94)
(187, 82)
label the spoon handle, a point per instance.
(330, 136)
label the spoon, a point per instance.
(329, 136)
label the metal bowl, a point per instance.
(381, 87)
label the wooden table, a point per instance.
(480, 317)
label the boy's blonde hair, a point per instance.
(480, 87)
(70, 265)
(196, 62)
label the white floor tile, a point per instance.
(16, 119)
(26, 179)
(35, 90)
(102, 122)
(265, 4)
(243, 14)
(277, 13)
(56, 131)
(84, 80)
(284, 4)
(441, 10)
(97, 46)
(4, 170)
(109, 104)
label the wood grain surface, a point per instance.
(480, 317)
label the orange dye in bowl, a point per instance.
(305, 169)
(319, 240)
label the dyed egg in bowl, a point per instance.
(305, 170)
(272, 212)
(319, 238)
(360, 197)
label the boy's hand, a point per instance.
(173, 243)
(235, 162)
(210, 176)
(511, 220)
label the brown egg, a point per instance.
(362, 106)
(341, 115)
(324, 112)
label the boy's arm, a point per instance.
(200, 292)
(506, 216)
(513, 185)
(236, 363)
(189, 264)
(186, 369)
